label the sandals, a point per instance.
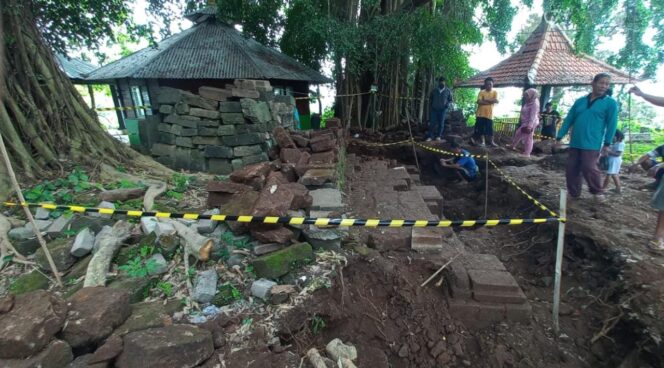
(656, 246)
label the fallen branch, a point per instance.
(155, 190)
(196, 244)
(440, 270)
(5, 226)
(121, 194)
(608, 325)
(107, 244)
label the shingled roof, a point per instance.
(74, 68)
(209, 50)
(547, 58)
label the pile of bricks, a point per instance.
(219, 130)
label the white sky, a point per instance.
(481, 58)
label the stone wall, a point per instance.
(219, 130)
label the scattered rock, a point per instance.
(315, 359)
(103, 204)
(261, 288)
(279, 234)
(283, 138)
(274, 200)
(28, 282)
(328, 239)
(56, 355)
(163, 229)
(83, 244)
(137, 287)
(148, 315)
(7, 303)
(148, 224)
(206, 286)
(21, 233)
(171, 346)
(82, 362)
(234, 260)
(276, 264)
(208, 226)
(403, 351)
(280, 293)
(326, 199)
(30, 325)
(60, 250)
(336, 349)
(161, 265)
(94, 312)
(111, 348)
(42, 214)
(94, 223)
(260, 249)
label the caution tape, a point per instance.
(122, 108)
(399, 98)
(371, 144)
(438, 150)
(535, 201)
(317, 221)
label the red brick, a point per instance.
(291, 155)
(323, 158)
(220, 192)
(289, 172)
(300, 140)
(275, 178)
(301, 197)
(321, 138)
(252, 175)
(491, 281)
(283, 138)
(323, 146)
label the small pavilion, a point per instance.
(547, 59)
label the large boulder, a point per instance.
(56, 355)
(35, 318)
(274, 200)
(279, 263)
(172, 346)
(94, 312)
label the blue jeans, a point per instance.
(437, 120)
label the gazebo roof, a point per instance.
(547, 58)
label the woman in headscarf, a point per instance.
(529, 121)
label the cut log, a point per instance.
(195, 244)
(107, 244)
(153, 192)
(121, 194)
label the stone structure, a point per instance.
(219, 130)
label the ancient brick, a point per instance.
(279, 235)
(290, 155)
(209, 123)
(323, 158)
(184, 142)
(208, 132)
(299, 140)
(490, 280)
(274, 200)
(323, 146)
(244, 139)
(230, 106)
(218, 152)
(501, 297)
(282, 138)
(203, 113)
(426, 240)
(216, 94)
(206, 140)
(232, 117)
(219, 166)
(242, 151)
(245, 93)
(166, 128)
(184, 121)
(166, 138)
(225, 130)
(254, 159)
(333, 123)
(198, 101)
(318, 177)
(184, 132)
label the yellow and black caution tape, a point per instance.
(122, 108)
(535, 201)
(438, 150)
(319, 221)
(371, 144)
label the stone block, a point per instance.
(327, 239)
(323, 158)
(165, 109)
(22, 233)
(203, 113)
(230, 107)
(477, 315)
(400, 185)
(257, 112)
(491, 281)
(263, 86)
(245, 93)
(520, 313)
(218, 152)
(252, 128)
(241, 151)
(289, 100)
(245, 83)
(206, 141)
(60, 253)
(182, 108)
(426, 240)
(326, 199)
(282, 138)
(260, 249)
(226, 130)
(59, 225)
(279, 263)
(500, 297)
(163, 127)
(207, 226)
(164, 229)
(289, 172)
(209, 131)
(254, 159)
(274, 200)
(219, 192)
(169, 95)
(160, 264)
(301, 197)
(166, 138)
(182, 120)
(483, 262)
(184, 132)
(219, 166)
(215, 94)
(276, 178)
(261, 288)
(244, 139)
(240, 204)
(323, 146)
(161, 149)
(300, 141)
(389, 239)
(184, 142)
(269, 234)
(198, 101)
(148, 224)
(83, 244)
(103, 204)
(206, 286)
(318, 177)
(291, 155)
(237, 164)
(301, 169)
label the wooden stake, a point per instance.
(28, 214)
(440, 270)
(559, 260)
(486, 186)
(412, 141)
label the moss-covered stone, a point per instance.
(224, 295)
(78, 270)
(148, 315)
(168, 245)
(138, 287)
(59, 250)
(27, 282)
(279, 263)
(95, 224)
(125, 254)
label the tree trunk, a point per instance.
(42, 116)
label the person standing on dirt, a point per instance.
(593, 120)
(464, 165)
(550, 119)
(440, 99)
(529, 121)
(484, 115)
(656, 245)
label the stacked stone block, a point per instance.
(219, 129)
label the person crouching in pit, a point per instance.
(464, 165)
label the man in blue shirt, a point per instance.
(464, 166)
(593, 120)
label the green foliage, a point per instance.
(166, 288)
(139, 265)
(60, 190)
(228, 294)
(180, 182)
(229, 239)
(249, 270)
(175, 195)
(260, 20)
(317, 324)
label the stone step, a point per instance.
(479, 315)
(488, 281)
(517, 297)
(426, 240)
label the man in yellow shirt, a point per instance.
(484, 115)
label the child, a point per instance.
(464, 166)
(615, 160)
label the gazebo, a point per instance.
(547, 59)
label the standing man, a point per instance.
(656, 245)
(593, 119)
(484, 116)
(550, 119)
(440, 100)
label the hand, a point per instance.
(636, 91)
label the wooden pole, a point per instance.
(559, 260)
(486, 186)
(412, 142)
(28, 214)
